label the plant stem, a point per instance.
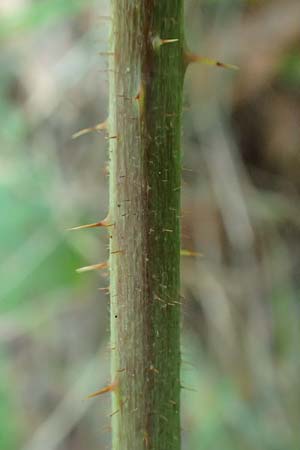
(146, 78)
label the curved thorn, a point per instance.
(99, 127)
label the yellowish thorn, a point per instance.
(93, 267)
(99, 127)
(168, 41)
(103, 223)
(110, 388)
(157, 42)
(193, 58)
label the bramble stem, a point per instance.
(145, 177)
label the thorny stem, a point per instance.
(146, 78)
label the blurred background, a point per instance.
(240, 210)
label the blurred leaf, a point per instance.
(37, 14)
(30, 244)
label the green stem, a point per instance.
(146, 78)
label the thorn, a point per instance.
(112, 137)
(188, 363)
(103, 223)
(157, 42)
(175, 303)
(93, 267)
(117, 252)
(110, 388)
(163, 417)
(184, 252)
(188, 388)
(115, 412)
(153, 369)
(99, 127)
(168, 41)
(156, 297)
(105, 289)
(185, 169)
(193, 58)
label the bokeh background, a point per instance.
(240, 211)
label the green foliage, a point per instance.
(39, 13)
(30, 244)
